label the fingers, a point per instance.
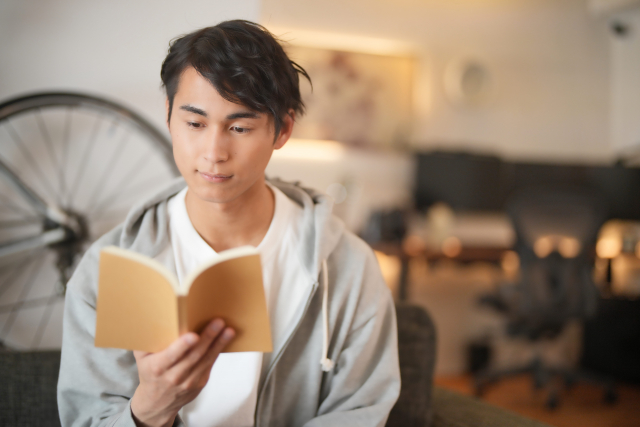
(176, 351)
(190, 352)
(209, 334)
(140, 354)
(204, 366)
(227, 335)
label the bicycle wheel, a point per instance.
(72, 156)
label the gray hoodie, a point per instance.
(354, 337)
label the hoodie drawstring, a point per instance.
(327, 364)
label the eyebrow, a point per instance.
(243, 115)
(194, 110)
(232, 116)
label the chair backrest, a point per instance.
(417, 352)
(554, 287)
(572, 213)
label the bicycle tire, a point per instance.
(25, 317)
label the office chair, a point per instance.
(555, 235)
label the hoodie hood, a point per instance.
(319, 235)
(351, 322)
(321, 231)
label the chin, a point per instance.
(215, 193)
(220, 192)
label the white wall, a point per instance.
(113, 48)
(372, 180)
(625, 82)
(549, 62)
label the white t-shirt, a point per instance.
(229, 398)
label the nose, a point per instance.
(217, 147)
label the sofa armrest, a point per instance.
(451, 409)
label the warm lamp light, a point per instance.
(413, 245)
(510, 262)
(311, 149)
(451, 247)
(608, 247)
(390, 268)
(543, 246)
(343, 42)
(569, 247)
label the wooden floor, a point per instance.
(580, 407)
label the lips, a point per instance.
(215, 177)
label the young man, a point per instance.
(232, 97)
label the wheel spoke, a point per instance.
(9, 205)
(29, 243)
(108, 169)
(47, 139)
(21, 303)
(11, 223)
(44, 320)
(65, 154)
(96, 214)
(13, 273)
(122, 185)
(22, 189)
(104, 215)
(85, 157)
(28, 157)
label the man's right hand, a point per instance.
(174, 377)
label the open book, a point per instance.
(141, 305)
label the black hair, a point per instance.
(244, 62)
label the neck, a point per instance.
(243, 221)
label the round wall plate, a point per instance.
(467, 81)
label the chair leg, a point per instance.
(487, 377)
(543, 375)
(553, 399)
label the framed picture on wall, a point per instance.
(358, 98)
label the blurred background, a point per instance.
(487, 149)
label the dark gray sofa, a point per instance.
(28, 386)
(420, 403)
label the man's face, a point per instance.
(220, 148)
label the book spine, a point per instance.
(182, 315)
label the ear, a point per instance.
(166, 112)
(286, 130)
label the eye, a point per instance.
(195, 125)
(238, 129)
